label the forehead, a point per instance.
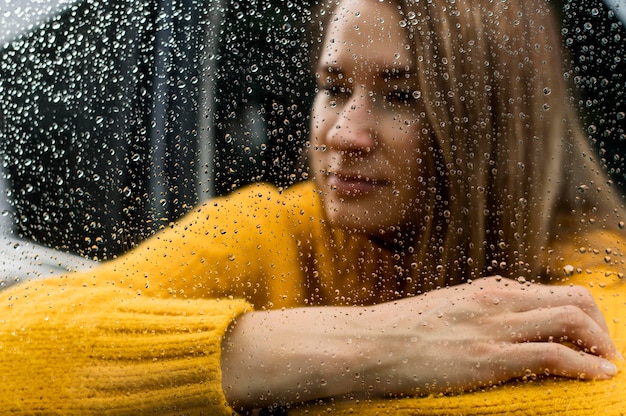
(365, 32)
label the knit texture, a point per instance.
(142, 334)
(80, 351)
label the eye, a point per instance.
(402, 96)
(336, 94)
(336, 91)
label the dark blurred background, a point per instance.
(119, 116)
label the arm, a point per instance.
(96, 349)
(448, 340)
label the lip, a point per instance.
(353, 184)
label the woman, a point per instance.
(444, 150)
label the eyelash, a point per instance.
(400, 96)
(336, 91)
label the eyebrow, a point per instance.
(392, 73)
(329, 69)
(399, 73)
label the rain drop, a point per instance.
(568, 270)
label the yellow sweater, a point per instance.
(142, 334)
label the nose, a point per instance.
(354, 127)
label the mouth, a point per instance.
(353, 184)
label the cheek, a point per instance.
(319, 117)
(411, 159)
(316, 163)
(321, 121)
(406, 146)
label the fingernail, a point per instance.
(609, 368)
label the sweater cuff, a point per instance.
(114, 354)
(171, 359)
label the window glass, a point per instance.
(118, 117)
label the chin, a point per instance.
(357, 222)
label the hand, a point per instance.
(486, 332)
(453, 339)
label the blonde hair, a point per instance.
(511, 163)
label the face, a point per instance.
(367, 150)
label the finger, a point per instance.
(577, 296)
(544, 358)
(564, 324)
(525, 297)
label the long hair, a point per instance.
(512, 164)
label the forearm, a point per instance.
(446, 341)
(294, 355)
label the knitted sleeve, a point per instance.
(142, 334)
(244, 245)
(96, 350)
